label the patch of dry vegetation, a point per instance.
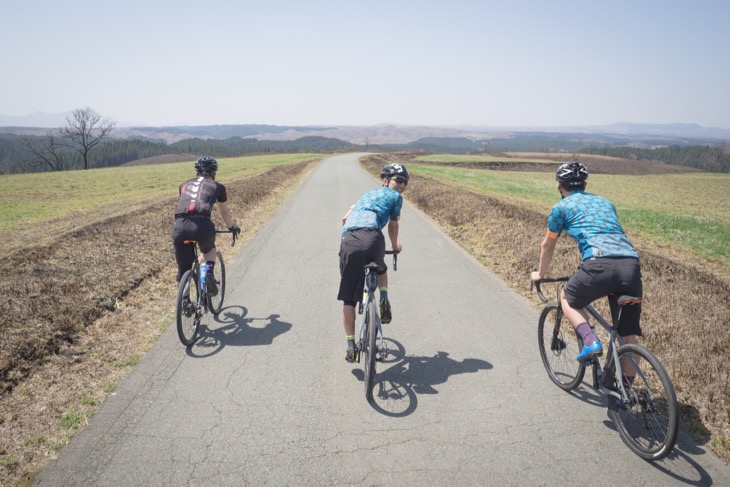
(685, 315)
(77, 314)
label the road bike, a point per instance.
(193, 298)
(643, 407)
(371, 329)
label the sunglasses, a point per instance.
(402, 181)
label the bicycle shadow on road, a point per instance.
(398, 386)
(232, 328)
(679, 464)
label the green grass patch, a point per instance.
(30, 199)
(71, 420)
(691, 211)
(91, 401)
(6, 460)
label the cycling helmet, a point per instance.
(206, 165)
(393, 170)
(572, 175)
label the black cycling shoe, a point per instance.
(352, 355)
(211, 285)
(385, 313)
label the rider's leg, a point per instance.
(578, 318)
(385, 311)
(627, 367)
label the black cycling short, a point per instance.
(611, 277)
(357, 249)
(198, 228)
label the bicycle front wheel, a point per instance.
(188, 319)
(648, 419)
(219, 273)
(370, 349)
(559, 345)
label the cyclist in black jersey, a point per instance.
(198, 196)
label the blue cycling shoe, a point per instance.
(590, 351)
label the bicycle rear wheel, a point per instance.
(559, 345)
(648, 421)
(187, 315)
(370, 349)
(219, 273)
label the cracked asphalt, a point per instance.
(265, 398)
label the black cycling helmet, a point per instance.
(572, 175)
(206, 165)
(393, 170)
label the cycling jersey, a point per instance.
(198, 196)
(374, 209)
(592, 222)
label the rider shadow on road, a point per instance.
(232, 328)
(397, 386)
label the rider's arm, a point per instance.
(226, 214)
(393, 227)
(546, 256)
(344, 218)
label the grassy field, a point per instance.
(691, 211)
(30, 199)
(451, 158)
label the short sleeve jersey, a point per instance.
(374, 209)
(592, 222)
(199, 195)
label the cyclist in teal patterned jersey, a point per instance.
(363, 242)
(610, 264)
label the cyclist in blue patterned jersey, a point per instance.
(362, 242)
(610, 264)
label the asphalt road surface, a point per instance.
(265, 398)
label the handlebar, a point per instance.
(394, 253)
(537, 284)
(234, 235)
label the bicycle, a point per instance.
(193, 298)
(644, 409)
(370, 326)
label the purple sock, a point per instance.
(585, 331)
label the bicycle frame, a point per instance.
(371, 286)
(612, 362)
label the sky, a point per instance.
(489, 63)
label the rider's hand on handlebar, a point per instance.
(398, 248)
(535, 276)
(235, 229)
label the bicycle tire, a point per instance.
(219, 274)
(558, 349)
(370, 349)
(649, 423)
(188, 320)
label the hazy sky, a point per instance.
(311, 62)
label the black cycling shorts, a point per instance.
(357, 249)
(611, 277)
(200, 229)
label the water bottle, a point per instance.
(203, 274)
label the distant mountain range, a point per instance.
(38, 123)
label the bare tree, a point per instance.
(84, 130)
(48, 152)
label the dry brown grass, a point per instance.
(76, 315)
(686, 313)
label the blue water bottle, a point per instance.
(203, 274)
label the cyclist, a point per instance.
(610, 264)
(362, 242)
(198, 196)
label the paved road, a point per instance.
(265, 398)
